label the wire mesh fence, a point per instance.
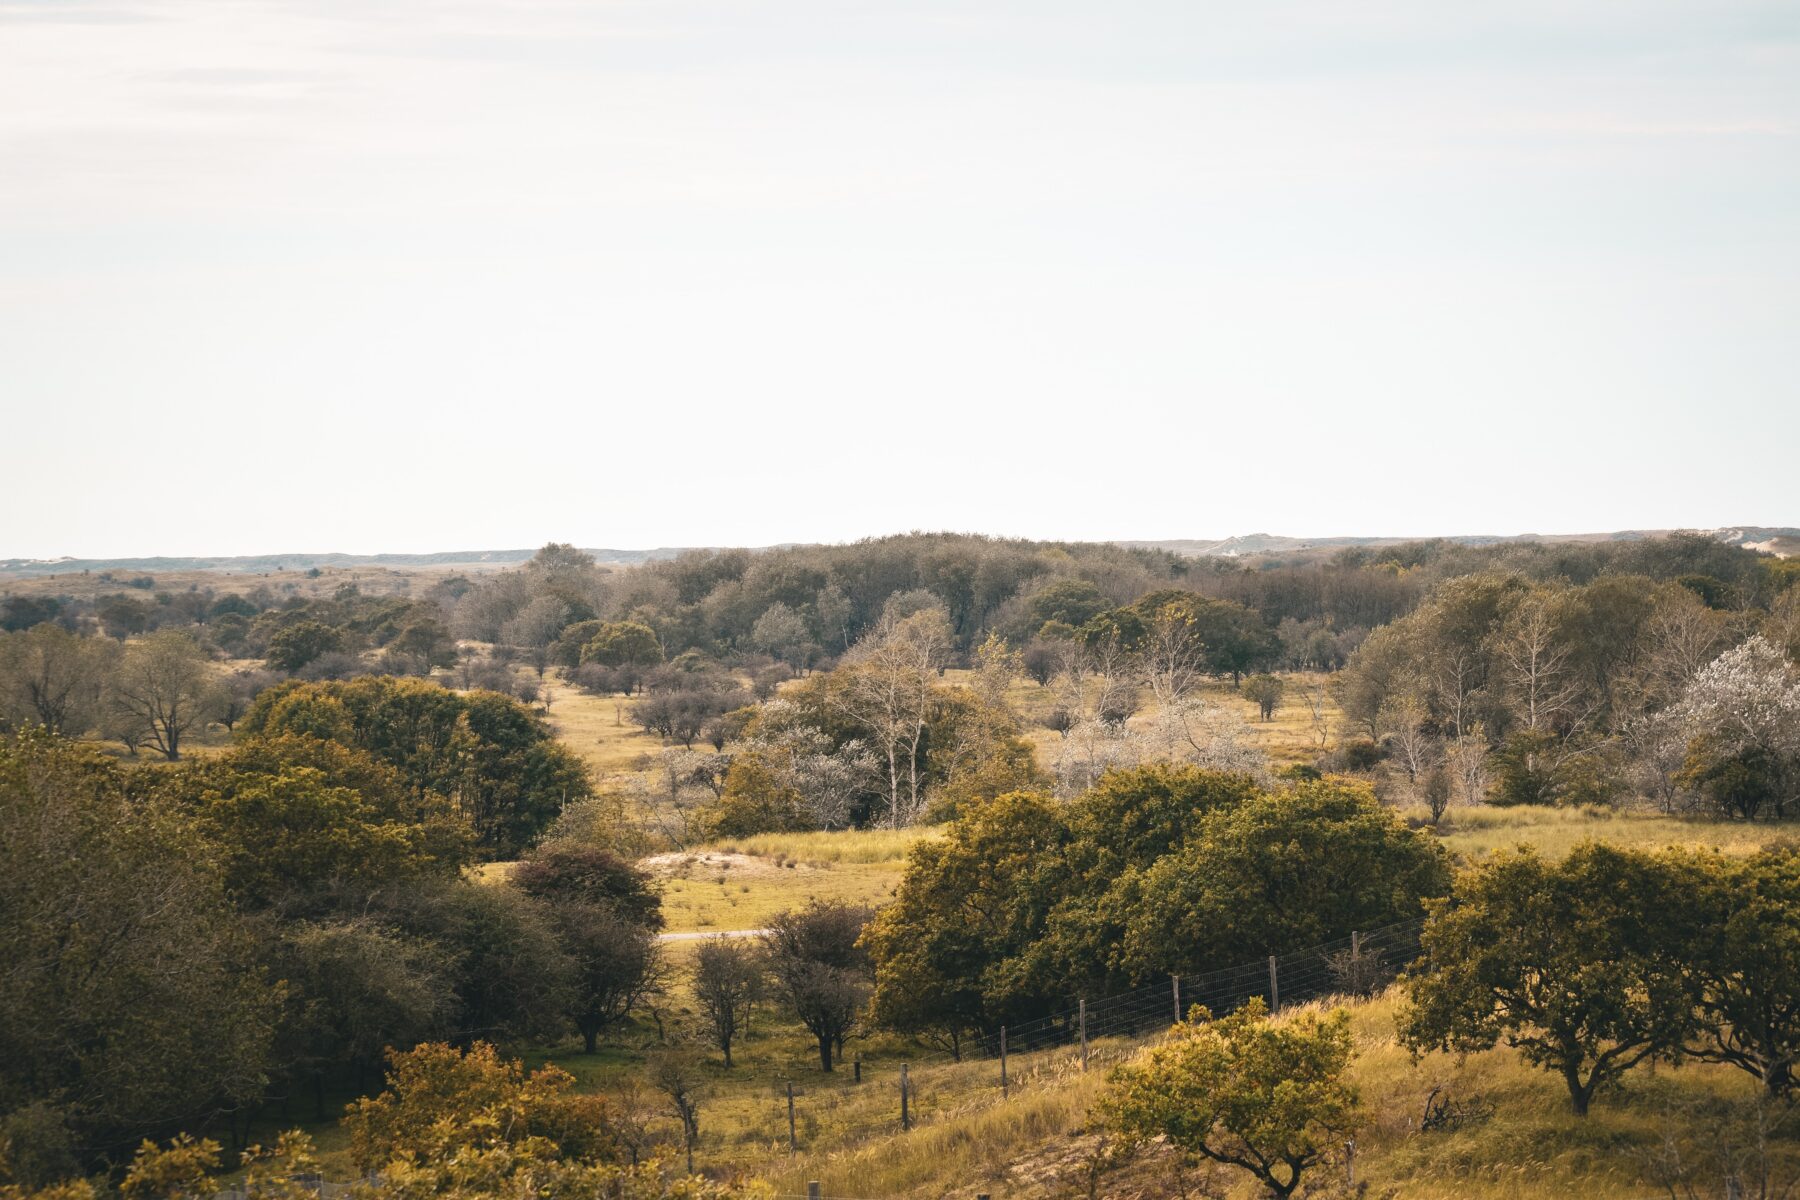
(1359, 964)
(993, 1064)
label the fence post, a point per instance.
(905, 1090)
(1003, 1062)
(858, 1066)
(1274, 987)
(1176, 980)
(1350, 1163)
(1084, 1034)
(812, 1191)
(793, 1143)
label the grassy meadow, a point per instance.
(1510, 1135)
(1512, 1139)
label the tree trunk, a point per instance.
(893, 784)
(589, 1034)
(1579, 1093)
(825, 1051)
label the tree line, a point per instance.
(1509, 690)
(182, 946)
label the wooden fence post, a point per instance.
(812, 1191)
(1176, 980)
(793, 1142)
(1274, 987)
(1003, 1092)
(858, 1066)
(905, 1096)
(1350, 1163)
(1084, 1035)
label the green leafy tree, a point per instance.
(1236, 638)
(123, 616)
(486, 753)
(512, 977)
(560, 873)
(1265, 1096)
(289, 837)
(1068, 602)
(181, 1170)
(566, 650)
(728, 982)
(1265, 692)
(1577, 964)
(441, 830)
(606, 913)
(441, 1102)
(295, 645)
(820, 969)
(623, 644)
(427, 641)
(1156, 870)
(1278, 871)
(969, 907)
(355, 988)
(131, 996)
(756, 799)
(529, 1138)
(615, 965)
(782, 633)
(1746, 958)
(22, 612)
(1735, 781)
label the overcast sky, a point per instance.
(430, 274)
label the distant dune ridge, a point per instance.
(1769, 539)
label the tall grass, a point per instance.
(859, 846)
(1513, 1136)
(1475, 830)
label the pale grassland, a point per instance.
(1516, 1141)
(716, 891)
(371, 580)
(1290, 736)
(845, 846)
(599, 729)
(1520, 1141)
(1479, 829)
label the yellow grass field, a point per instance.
(599, 729)
(1292, 735)
(713, 890)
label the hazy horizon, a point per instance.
(444, 273)
(529, 547)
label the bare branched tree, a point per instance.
(1172, 655)
(1535, 658)
(888, 689)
